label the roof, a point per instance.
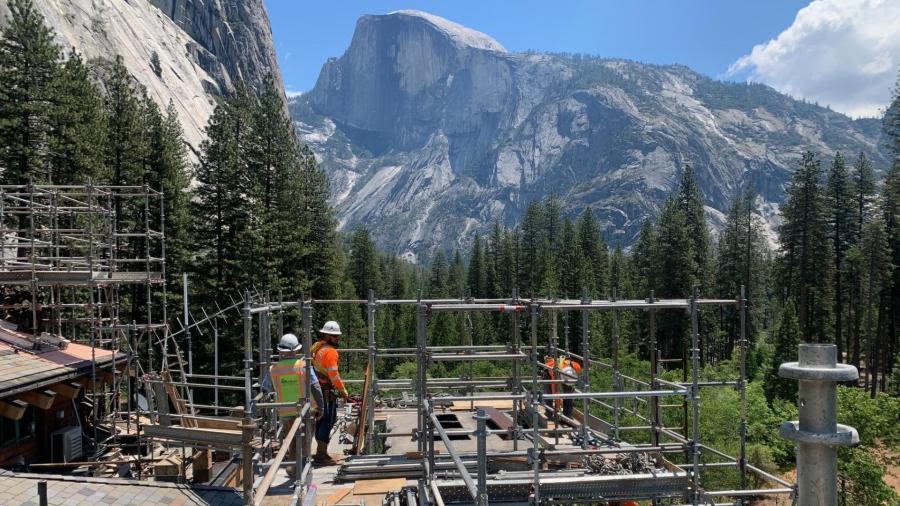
(21, 488)
(22, 370)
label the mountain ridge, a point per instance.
(429, 142)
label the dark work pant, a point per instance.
(568, 404)
(329, 417)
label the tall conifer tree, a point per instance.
(29, 64)
(805, 264)
(842, 224)
(76, 137)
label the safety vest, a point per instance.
(289, 380)
(325, 362)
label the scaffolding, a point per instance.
(463, 477)
(74, 256)
(67, 252)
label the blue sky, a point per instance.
(764, 40)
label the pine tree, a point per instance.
(890, 304)
(476, 283)
(675, 277)
(76, 136)
(492, 261)
(690, 201)
(785, 350)
(276, 183)
(863, 187)
(318, 264)
(29, 64)
(456, 276)
(169, 174)
(570, 261)
(125, 140)
(805, 266)
(874, 273)
(507, 265)
(842, 223)
(222, 221)
(363, 268)
(438, 285)
(532, 246)
(594, 254)
(645, 261)
(740, 262)
(889, 310)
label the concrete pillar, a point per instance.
(817, 433)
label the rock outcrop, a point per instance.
(203, 46)
(430, 132)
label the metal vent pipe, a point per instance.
(817, 433)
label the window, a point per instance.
(14, 431)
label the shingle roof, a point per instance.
(22, 370)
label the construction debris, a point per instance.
(629, 463)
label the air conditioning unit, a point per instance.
(66, 445)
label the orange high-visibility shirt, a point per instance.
(563, 364)
(325, 362)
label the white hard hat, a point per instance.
(289, 342)
(331, 328)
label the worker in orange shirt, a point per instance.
(325, 363)
(569, 370)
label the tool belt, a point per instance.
(328, 393)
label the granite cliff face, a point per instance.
(204, 46)
(430, 132)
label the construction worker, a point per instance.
(569, 371)
(325, 362)
(288, 379)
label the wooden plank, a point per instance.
(14, 409)
(202, 465)
(368, 499)
(336, 496)
(263, 488)
(367, 487)
(177, 401)
(359, 442)
(215, 423)
(467, 405)
(68, 390)
(499, 418)
(42, 399)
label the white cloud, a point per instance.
(292, 93)
(841, 53)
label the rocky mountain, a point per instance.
(430, 132)
(203, 46)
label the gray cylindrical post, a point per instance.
(42, 492)
(373, 379)
(248, 354)
(481, 434)
(309, 421)
(817, 433)
(420, 376)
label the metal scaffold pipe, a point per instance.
(817, 433)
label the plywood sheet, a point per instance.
(336, 496)
(467, 405)
(367, 487)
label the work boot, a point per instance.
(322, 457)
